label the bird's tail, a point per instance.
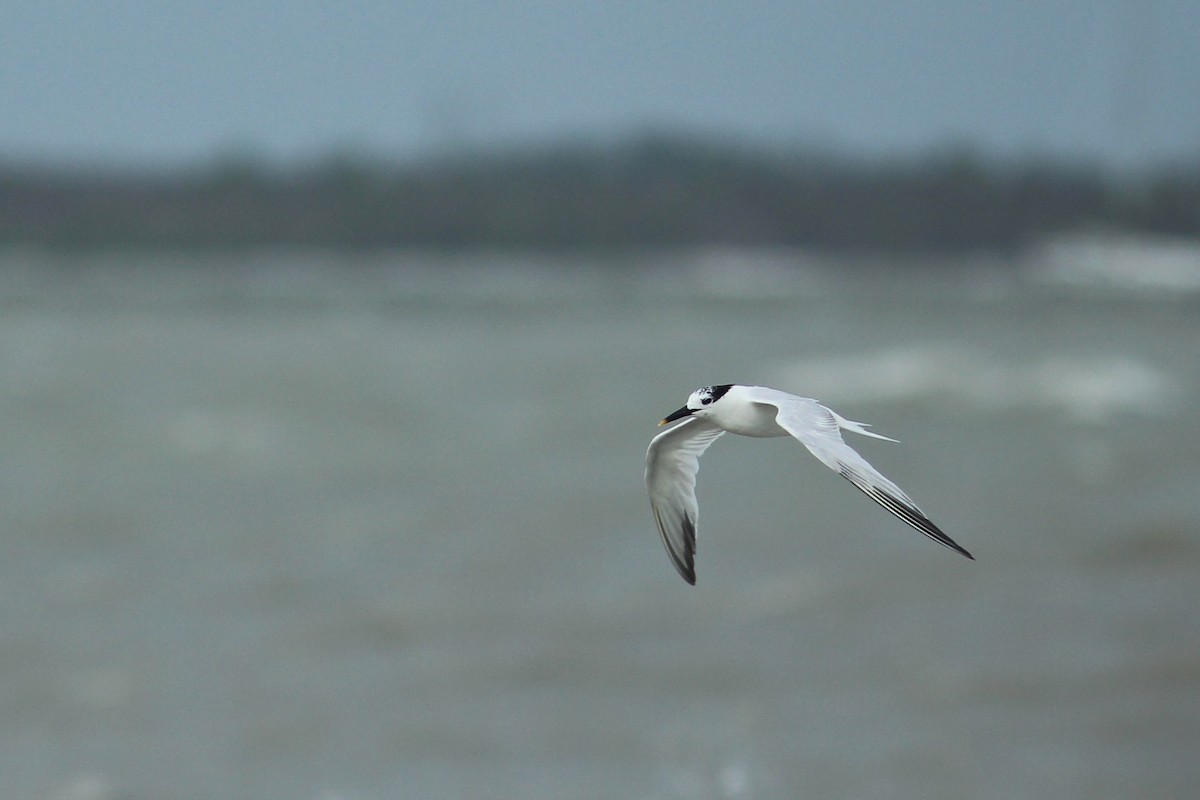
(859, 428)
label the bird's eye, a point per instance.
(705, 401)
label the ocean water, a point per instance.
(306, 526)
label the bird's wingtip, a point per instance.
(956, 547)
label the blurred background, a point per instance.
(331, 340)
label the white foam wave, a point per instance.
(1119, 263)
(1086, 388)
(756, 274)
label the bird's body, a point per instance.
(741, 415)
(673, 458)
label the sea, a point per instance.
(309, 525)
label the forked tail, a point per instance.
(859, 428)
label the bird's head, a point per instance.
(698, 402)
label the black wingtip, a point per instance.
(687, 566)
(955, 546)
(686, 571)
(905, 510)
(685, 562)
(925, 526)
(934, 532)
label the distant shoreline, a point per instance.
(651, 193)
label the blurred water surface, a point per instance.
(297, 525)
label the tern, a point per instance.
(673, 458)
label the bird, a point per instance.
(673, 458)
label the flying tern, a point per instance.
(673, 458)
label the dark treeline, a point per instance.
(654, 192)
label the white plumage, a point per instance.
(673, 458)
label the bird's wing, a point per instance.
(672, 461)
(817, 428)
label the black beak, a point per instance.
(680, 414)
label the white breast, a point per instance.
(737, 414)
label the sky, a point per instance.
(166, 82)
